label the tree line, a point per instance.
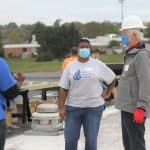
(57, 39)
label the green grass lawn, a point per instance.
(114, 58)
(30, 65)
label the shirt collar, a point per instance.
(137, 46)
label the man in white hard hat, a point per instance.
(134, 86)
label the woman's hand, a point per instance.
(105, 95)
(62, 98)
(20, 78)
(62, 113)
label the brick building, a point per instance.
(21, 50)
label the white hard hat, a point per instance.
(132, 22)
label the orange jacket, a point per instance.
(67, 61)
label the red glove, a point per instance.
(139, 115)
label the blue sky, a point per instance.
(47, 11)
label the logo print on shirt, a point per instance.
(77, 75)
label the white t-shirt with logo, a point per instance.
(84, 82)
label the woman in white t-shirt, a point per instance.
(81, 97)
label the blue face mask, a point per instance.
(84, 52)
(124, 39)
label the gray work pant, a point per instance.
(3, 132)
(132, 133)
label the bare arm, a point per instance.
(106, 94)
(62, 99)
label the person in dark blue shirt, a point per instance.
(8, 90)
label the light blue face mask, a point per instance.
(84, 52)
(124, 40)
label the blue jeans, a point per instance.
(90, 119)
